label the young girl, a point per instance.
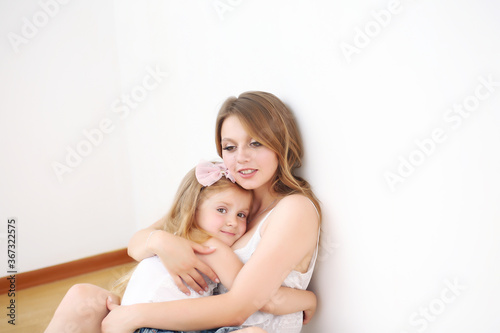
(210, 209)
(258, 139)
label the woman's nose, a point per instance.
(243, 155)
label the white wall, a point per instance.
(60, 83)
(391, 257)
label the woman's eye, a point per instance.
(228, 148)
(255, 144)
(221, 210)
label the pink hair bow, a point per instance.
(207, 173)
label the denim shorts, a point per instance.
(214, 330)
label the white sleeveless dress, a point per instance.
(151, 283)
(290, 323)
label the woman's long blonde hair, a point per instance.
(181, 218)
(267, 120)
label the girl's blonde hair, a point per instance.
(267, 120)
(181, 218)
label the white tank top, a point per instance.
(271, 323)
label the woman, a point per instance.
(257, 137)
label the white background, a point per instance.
(388, 255)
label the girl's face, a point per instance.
(224, 214)
(252, 164)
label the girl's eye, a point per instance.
(242, 215)
(222, 210)
(228, 148)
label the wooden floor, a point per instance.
(35, 306)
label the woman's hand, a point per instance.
(309, 312)
(120, 319)
(178, 256)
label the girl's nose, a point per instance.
(231, 221)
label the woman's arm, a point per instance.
(290, 300)
(227, 265)
(288, 240)
(176, 253)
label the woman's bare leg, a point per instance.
(81, 310)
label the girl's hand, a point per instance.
(120, 319)
(178, 256)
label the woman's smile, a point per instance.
(247, 173)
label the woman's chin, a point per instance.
(246, 184)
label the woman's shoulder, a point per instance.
(297, 207)
(294, 219)
(297, 202)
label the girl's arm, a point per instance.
(289, 239)
(176, 253)
(227, 265)
(137, 247)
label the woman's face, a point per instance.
(252, 164)
(224, 214)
